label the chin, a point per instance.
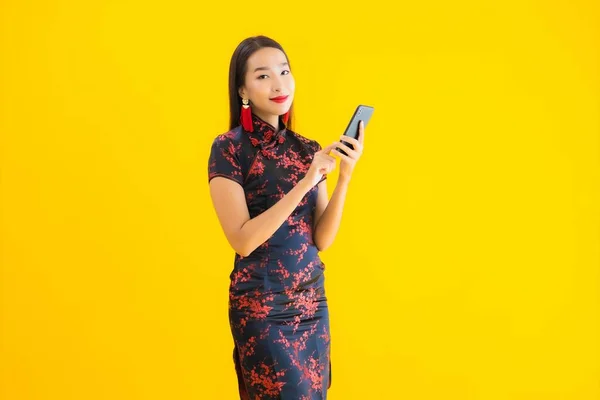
(286, 108)
(280, 110)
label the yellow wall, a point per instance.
(467, 265)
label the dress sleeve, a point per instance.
(224, 161)
(318, 148)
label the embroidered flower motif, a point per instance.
(277, 307)
(264, 134)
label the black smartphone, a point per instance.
(362, 113)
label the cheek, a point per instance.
(292, 84)
(259, 90)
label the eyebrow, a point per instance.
(267, 68)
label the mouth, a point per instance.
(279, 99)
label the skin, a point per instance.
(268, 76)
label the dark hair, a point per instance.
(237, 74)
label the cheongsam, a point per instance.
(278, 311)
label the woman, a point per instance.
(268, 188)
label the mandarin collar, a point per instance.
(264, 135)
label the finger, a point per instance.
(348, 150)
(327, 168)
(326, 157)
(327, 149)
(356, 143)
(331, 167)
(343, 157)
(361, 132)
(351, 141)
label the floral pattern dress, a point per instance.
(278, 310)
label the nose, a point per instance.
(277, 84)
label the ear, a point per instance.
(241, 92)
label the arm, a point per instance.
(243, 233)
(328, 213)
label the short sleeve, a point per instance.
(318, 148)
(224, 161)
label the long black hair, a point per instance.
(237, 74)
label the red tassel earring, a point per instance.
(285, 117)
(246, 116)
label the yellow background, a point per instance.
(467, 265)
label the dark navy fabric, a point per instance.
(277, 305)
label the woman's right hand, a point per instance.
(322, 163)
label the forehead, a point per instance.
(266, 57)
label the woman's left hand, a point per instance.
(348, 162)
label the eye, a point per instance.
(260, 76)
(287, 72)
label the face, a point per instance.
(267, 77)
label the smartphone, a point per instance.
(362, 113)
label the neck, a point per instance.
(272, 119)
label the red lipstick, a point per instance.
(279, 99)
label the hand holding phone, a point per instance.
(362, 113)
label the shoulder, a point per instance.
(234, 135)
(230, 140)
(311, 144)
